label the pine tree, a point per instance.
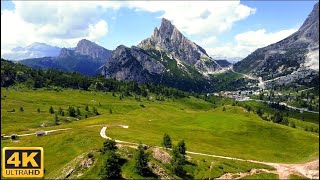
(51, 111)
(38, 110)
(141, 164)
(177, 162)
(72, 111)
(111, 168)
(60, 111)
(110, 111)
(166, 141)
(182, 147)
(21, 109)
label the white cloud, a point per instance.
(198, 17)
(57, 23)
(98, 30)
(245, 43)
(207, 41)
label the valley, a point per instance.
(161, 106)
(205, 129)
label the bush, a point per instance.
(259, 112)
(223, 109)
(38, 110)
(21, 109)
(293, 125)
(109, 145)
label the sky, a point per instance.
(222, 28)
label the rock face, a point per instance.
(132, 64)
(34, 50)
(166, 58)
(293, 59)
(85, 47)
(86, 59)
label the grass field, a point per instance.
(233, 132)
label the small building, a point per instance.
(40, 133)
(14, 136)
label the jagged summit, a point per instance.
(171, 40)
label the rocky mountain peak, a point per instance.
(310, 27)
(169, 39)
(86, 47)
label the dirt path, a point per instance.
(309, 169)
(241, 174)
(46, 132)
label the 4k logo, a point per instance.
(22, 162)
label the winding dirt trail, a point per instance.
(309, 169)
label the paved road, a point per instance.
(284, 104)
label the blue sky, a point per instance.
(232, 28)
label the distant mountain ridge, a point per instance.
(34, 50)
(85, 58)
(293, 59)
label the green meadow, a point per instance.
(204, 127)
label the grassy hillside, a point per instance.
(233, 132)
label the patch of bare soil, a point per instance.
(161, 155)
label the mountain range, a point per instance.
(293, 59)
(85, 58)
(34, 50)
(169, 58)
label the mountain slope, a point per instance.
(223, 62)
(34, 50)
(166, 58)
(294, 59)
(86, 58)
